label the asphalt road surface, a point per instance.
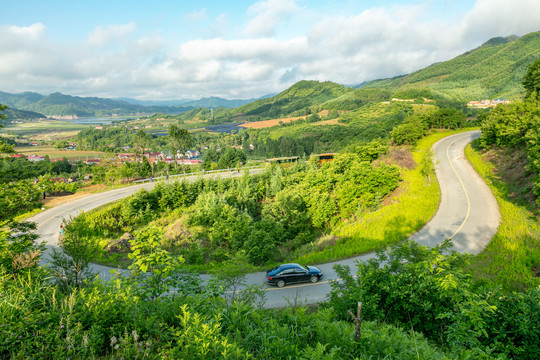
(468, 214)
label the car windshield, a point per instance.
(304, 267)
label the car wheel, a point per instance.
(280, 283)
(314, 279)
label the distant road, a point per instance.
(468, 213)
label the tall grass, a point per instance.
(414, 204)
(514, 251)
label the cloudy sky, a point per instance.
(163, 50)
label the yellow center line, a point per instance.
(462, 185)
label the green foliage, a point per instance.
(516, 125)
(18, 197)
(108, 320)
(154, 270)
(531, 80)
(409, 132)
(232, 158)
(19, 249)
(180, 140)
(369, 151)
(427, 167)
(416, 287)
(199, 337)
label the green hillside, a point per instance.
(302, 98)
(493, 70)
(15, 114)
(19, 101)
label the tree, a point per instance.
(231, 157)
(179, 140)
(531, 80)
(19, 248)
(4, 148)
(142, 141)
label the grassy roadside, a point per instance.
(513, 255)
(416, 205)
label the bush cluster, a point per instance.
(268, 216)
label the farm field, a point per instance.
(269, 123)
(59, 154)
(44, 130)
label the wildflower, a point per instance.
(135, 336)
(116, 347)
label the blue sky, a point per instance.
(237, 49)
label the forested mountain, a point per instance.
(493, 70)
(58, 104)
(15, 114)
(302, 98)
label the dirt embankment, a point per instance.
(54, 200)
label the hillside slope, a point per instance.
(492, 70)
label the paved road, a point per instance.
(468, 213)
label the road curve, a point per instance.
(468, 213)
(48, 222)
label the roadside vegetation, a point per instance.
(507, 157)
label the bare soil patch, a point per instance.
(55, 200)
(400, 156)
(511, 166)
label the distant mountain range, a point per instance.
(30, 105)
(65, 106)
(208, 102)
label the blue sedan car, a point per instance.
(293, 273)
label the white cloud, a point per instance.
(103, 35)
(266, 15)
(378, 42)
(489, 18)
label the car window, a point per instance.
(286, 272)
(301, 271)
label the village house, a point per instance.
(486, 103)
(35, 158)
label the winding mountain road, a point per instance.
(468, 214)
